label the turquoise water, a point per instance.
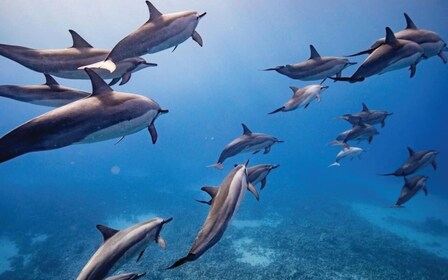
(312, 222)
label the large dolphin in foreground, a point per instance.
(248, 142)
(410, 188)
(367, 116)
(122, 245)
(415, 162)
(49, 94)
(392, 55)
(315, 68)
(226, 200)
(301, 97)
(105, 114)
(160, 32)
(358, 132)
(258, 173)
(430, 41)
(64, 63)
(126, 276)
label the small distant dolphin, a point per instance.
(49, 94)
(226, 200)
(258, 173)
(122, 245)
(160, 32)
(126, 276)
(415, 162)
(315, 68)
(302, 97)
(104, 115)
(367, 116)
(359, 132)
(248, 142)
(411, 187)
(430, 41)
(392, 55)
(347, 152)
(64, 63)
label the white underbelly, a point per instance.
(432, 49)
(402, 63)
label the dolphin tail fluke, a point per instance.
(217, 165)
(368, 51)
(108, 65)
(272, 69)
(347, 79)
(277, 110)
(388, 174)
(190, 257)
(335, 164)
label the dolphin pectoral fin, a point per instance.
(267, 150)
(197, 38)
(125, 78)
(277, 110)
(383, 123)
(370, 139)
(306, 106)
(161, 242)
(263, 183)
(253, 190)
(140, 256)
(434, 164)
(119, 140)
(153, 132)
(114, 81)
(190, 257)
(107, 232)
(442, 56)
(413, 69)
(318, 98)
(425, 190)
(212, 191)
(175, 48)
(256, 152)
(216, 165)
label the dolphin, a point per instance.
(411, 187)
(358, 132)
(226, 200)
(49, 94)
(302, 97)
(415, 162)
(258, 173)
(64, 63)
(430, 41)
(122, 245)
(126, 276)
(105, 114)
(367, 116)
(248, 142)
(347, 152)
(315, 68)
(392, 55)
(160, 32)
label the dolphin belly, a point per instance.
(187, 28)
(402, 63)
(323, 74)
(432, 48)
(256, 147)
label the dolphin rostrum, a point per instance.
(226, 200)
(105, 114)
(392, 55)
(347, 152)
(301, 97)
(248, 142)
(122, 245)
(430, 41)
(415, 162)
(359, 132)
(367, 116)
(160, 32)
(410, 188)
(49, 94)
(126, 276)
(64, 63)
(315, 68)
(258, 173)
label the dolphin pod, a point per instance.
(301, 97)
(411, 188)
(64, 63)
(225, 202)
(103, 115)
(122, 244)
(160, 32)
(430, 41)
(50, 94)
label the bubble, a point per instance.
(115, 170)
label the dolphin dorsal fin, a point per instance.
(212, 191)
(78, 41)
(314, 53)
(107, 232)
(390, 37)
(409, 23)
(99, 86)
(246, 130)
(411, 151)
(294, 89)
(50, 81)
(364, 108)
(153, 12)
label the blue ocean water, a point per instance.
(312, 222)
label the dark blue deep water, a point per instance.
(312, 222)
